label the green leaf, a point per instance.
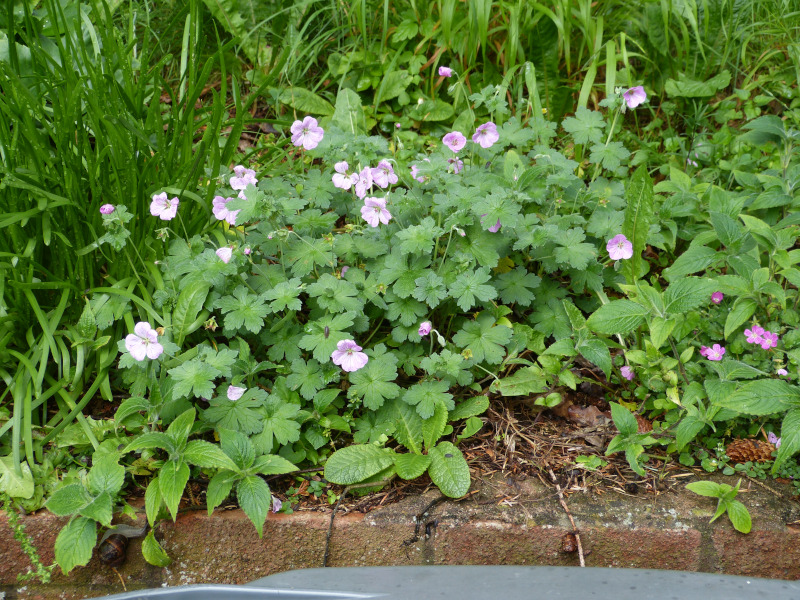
(179, 430)
(305, 101)
(430, 289)
(686, 294)
(595, 351)
(153, 552)
(187, 308)
(471, 427)
(243, 308)
(408, 426)
(419, 239)
(742, 310)
(426, 395)
(316, 340)
(207, 455)
(237, 416)
(335, 295)
(470, 407)
(394, 82)
(172, 479)
(348, 114)
(660, 330)
(790, 438)
(449, 471)
(219, 488)
(152, 501)
(623, 419)
(638, 216)
(75, 543)
(484, 339)
(99, 509)
(687, 430)
(762, 397)
(617, 317)
(270, 464)
(432, 110)
(68, 500)
(515, 286)
(586, 126)
(524, 382)
(685, 87)
(285, 295)
(131, 406)
(471, 287)
(695, 259)
(306, 377)
(356, 463)
(610, 155)
(255, 500)
(279, 423)
(433, 426)
(411, 466)
(375, 382)
(106, 474)
(194, 377)
(740, 518)
(15, 484)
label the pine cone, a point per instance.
(740, 451)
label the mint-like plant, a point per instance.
(726, 503)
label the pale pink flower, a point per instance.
(143, 342)
(242, 178)
(343, 179)
(774, 439)
(424, 328)
(106, 209)
(754, 335)
(247, 251)
(457, 164)
(486, 135)
(635, 96)
(715, 352)
(717, 297)
(770, 340)
(221, 212)
(225, 253)
(163, 207)
(276, 504)
(445, 72)
(494, 228)
(234, 393)
(782, 372)
(307, 133)
(626, 372)
(454, 140)
(374, 211)
(415, 174)
(364, 182)
(348, 355)
(619, 248)
(345, 269)
(383, 175)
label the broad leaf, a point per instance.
(255, 500)
(75, 543)
(354, 464)
(448, 470)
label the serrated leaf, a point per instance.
(742, 310)
(426, 395)
(449, 471)
(740, 518)
(411, 466)
(638, 216)
(617, 317)
(375, 382)
(484, 339)
(99, 509)
(75, 543)
(68, 500)
(193, 378)
(187, 308)
(761, 397)
(356, 463)
(687, 294)
(172, 479)
(15, 484)
(106, 475)
(207, 455)
(152, 551)
(305, 101)
(586, 126)
(433, 426)
(595, 351)
(473, 406)
(790, 438)
(623, 419)
(255, 500)
(524, 382)
(243, 309)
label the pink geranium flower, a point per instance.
(225, 254)
(486, 135)
(106, 209)
(769, 340)
(374, 211)
(307, 133)
(445, 72)
(715, 352)
(635, 96)
(754, 335)
(143, 342)
(234, 393)
(774, 439)
(163, 207)
(626, 372)
(242, 178)
(348, 355)
(383, 175)
(454, 140)
(494, 228)
(704, 350)
(343, 178)
(619, 248)
(781, 372)
(221, 212)
(424, 328)
(364, 182)
(415, 174)
(717, 297)
(456, 164)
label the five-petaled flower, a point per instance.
(635, 96)
(307, 133)
(225, 253)
(717, 297)
(424, 328)
(619, 248)
(143, 342)
(769, 340)
(445, 72)
(163, 207)
(242, 178)
(221, 212)
(754, 335)
(626, 372)
(715, 352)
(106, 209)
(343, 179)
(486, 135)
(374, 211)
(364, 182)
(348, 355)
(234, 393)
(383, 175)
(454, 140)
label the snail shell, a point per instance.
(112, 550)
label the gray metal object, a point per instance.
(484, 583)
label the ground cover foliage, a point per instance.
(540, 187)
